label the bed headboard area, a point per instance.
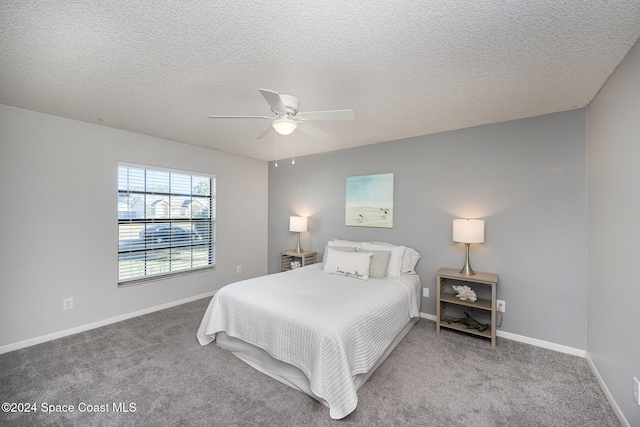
(386, 259)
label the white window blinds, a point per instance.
(166, 222)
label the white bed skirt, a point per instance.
(288, 374)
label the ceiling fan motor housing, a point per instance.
(291, 103)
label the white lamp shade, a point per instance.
(468, 230)
(284, 126)
(298, 223)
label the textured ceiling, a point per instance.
(406, 68)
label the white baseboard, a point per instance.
(67, 332)
(607, 393)
(528, 340)
(428, 316)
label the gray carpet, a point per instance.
(155, 362)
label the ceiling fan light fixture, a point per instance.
(284, 125)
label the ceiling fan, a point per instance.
(287, 118)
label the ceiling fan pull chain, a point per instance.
(276, 149)
(293, 147)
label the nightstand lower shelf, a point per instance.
(289, 256)
(458, 327)
(484, 307)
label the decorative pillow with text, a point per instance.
(350, 264)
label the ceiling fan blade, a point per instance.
(313, 131)
(264, 133)
(274, 100)
(240, 117)
(327, 115)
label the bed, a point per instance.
(322, 329)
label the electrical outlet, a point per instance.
(67, 303)
(239, 269)
(501, 306)
(425, 292)
(636, 390)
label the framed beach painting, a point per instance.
(369, 201)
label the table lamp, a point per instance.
(468, 231)
(298, 224)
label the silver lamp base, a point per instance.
(467, 270)
(298, 249)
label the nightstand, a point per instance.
(484, 284)
(288, 256)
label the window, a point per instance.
(166, 222)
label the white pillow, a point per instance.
(410, 258)
(379, 263)
(351, 264)
(395, 261)
(338, 248)
(345, 243)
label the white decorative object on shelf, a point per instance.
(295, 264)
(465, 293)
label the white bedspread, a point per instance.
(330, 327)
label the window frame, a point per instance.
(175, 253)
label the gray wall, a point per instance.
(58, 222)
(613, 339)
(526, 178)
